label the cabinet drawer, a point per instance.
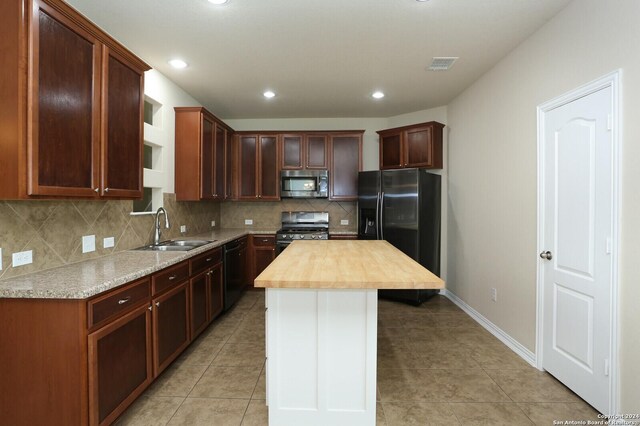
(205, 260)
(115, 302)
(264, 240)
(170, 277)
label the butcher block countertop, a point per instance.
(346, 264)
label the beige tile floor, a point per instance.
(436, 366)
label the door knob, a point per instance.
(546, 255)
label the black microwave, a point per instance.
(304, 184)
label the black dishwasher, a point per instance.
(235, 266)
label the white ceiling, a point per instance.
(321, 58)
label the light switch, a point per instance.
(88, 243)
(248, 221)
(22, 258)
(344, 222)
(183, 229)
(108, 242)
(213, 223)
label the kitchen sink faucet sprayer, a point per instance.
(156, 237)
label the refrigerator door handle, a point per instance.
(378, 216)
(382, 215)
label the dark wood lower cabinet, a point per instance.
(84, 361)
(170, 326)
(199, 290)
(120, 366)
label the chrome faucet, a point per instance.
(156, 237)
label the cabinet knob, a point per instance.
(150, 308)
(157, 304)
(256, 196)
(96, 190)
(123, 301)
(208, 259)
(172, 277)
(106, 190)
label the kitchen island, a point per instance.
(321, 338)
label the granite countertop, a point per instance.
(91, 277)
(346, 264)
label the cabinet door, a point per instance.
(418, 147)
(262, 257)
(219, 162)
(120, 366)
(316, 152)
(391, 151)
(248, 158)
(170, 326)
(198, 296)
(346, 162)
(292, 152)
(206, 174)
(64, 136)
(122, 132)
(269, 182)
(216, 295)
(229, 168)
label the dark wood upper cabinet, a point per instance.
(230, 167)
(72, 99)
(346, 161)
(304, 151)
(316, 152)
(418, 145)
(258, 173)
(292, 152)
(201, 155)
(248, 165)
(123, 133)
(269, 176)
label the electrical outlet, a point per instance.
(213, 223)
(22, 258)
(0, 259)
(344, 222)
(108, 242)
(248, 221)
(183, 229)
(494, 294)
(88, 243)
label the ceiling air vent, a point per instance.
(442, 63)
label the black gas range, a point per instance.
(302, 226)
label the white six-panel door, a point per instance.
(576, 245)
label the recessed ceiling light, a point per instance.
(218, 1)
(178, 63)
(377, 95)
(268, 94)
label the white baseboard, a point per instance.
(513, 344)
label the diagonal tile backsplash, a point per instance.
(53, 230)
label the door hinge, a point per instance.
(608, 248)
(609, 121)
(606, 367)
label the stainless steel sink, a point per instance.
(176, 245)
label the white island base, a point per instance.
(321, 356)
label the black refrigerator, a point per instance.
(403, 208)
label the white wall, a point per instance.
(170, 95)
(492, 170)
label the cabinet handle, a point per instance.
(172, 277)
(157, 304)
(123, 301)
(256, 196)
(150, 308)
(106, 190)
(265, 240)
(96, 190)
(208, 259)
